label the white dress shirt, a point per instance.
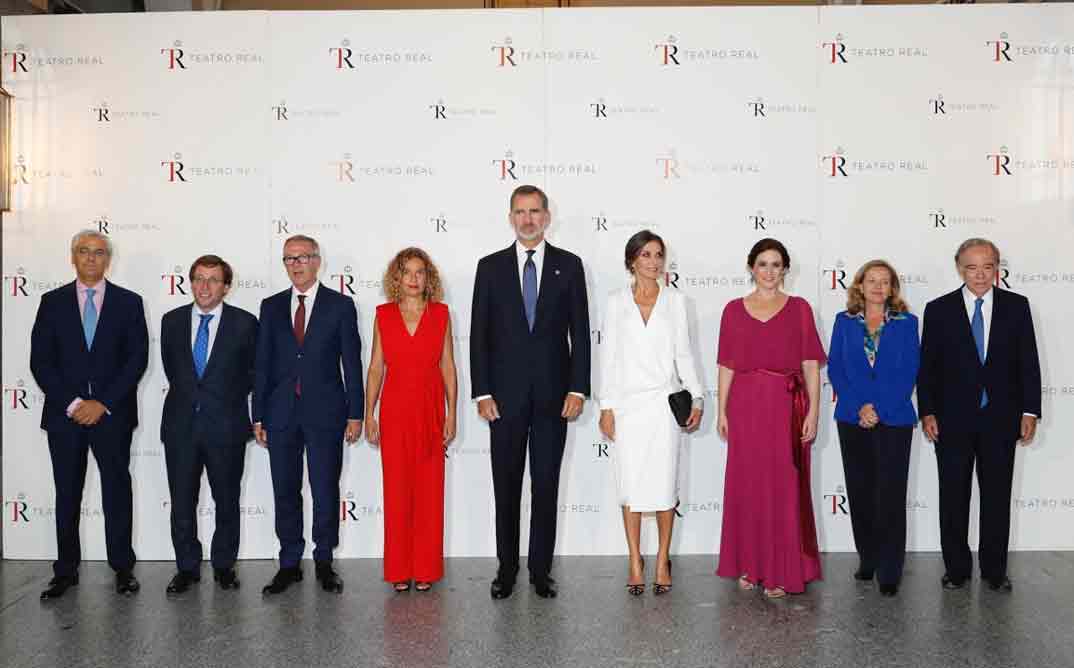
(538, 260)
(986, 310)
(214, 325)
(311, 296)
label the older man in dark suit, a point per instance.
(208, 350)
(88, 350)
(304, 405)
(978, 394)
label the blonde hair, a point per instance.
(393, 275)
(856, 296)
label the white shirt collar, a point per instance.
(311, 294)
(971, 298)
(538, 255)
(215, 312)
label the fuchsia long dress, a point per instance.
(768, 527)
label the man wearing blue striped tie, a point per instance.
(88, 350)
(207, 349)
(978, 393)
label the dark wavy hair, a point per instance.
(636, 243)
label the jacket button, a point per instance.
(300, 356)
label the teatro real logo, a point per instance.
(670, 53)
(761, 222)
(343, 57)
(348, 170)
(283, 112)
(442, 111)
(1002, 50)
(759, 108)
(838, 52)
(508, 168)
(938, 106)
(176, 170)
(672, 167)
(106, 114)
(19, 60)
(177, 57)
(838, 164)
(601, 109)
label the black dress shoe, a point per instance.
(182, 581)
(126, 583)
(889, 590)
(329, 579)
(544, 588)
(501, 588)
(533, 579)
(949, 582)
(1000, 584)
(58, 585)
(226, 578)
(863, 575)
(284, 578)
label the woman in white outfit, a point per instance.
(646, 350)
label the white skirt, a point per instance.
(646, 452)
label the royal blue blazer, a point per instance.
(887, 385)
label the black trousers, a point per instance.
(112, 450)
(223, 463)
(876, 463)
(546, 437)
(956, 456)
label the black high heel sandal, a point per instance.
(660, 589)
(638, 589)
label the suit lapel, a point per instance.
(105, 317)
(183, 337)
(318, 314)
(549, 271)
(966, 328)
(510, 270)
(75, 316)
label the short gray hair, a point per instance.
(303, 238)
(92, 234)
(976, 241)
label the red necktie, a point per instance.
(300, 333)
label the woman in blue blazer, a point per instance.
(875, 354)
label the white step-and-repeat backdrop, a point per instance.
(848, 133)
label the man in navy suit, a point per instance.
(978, 393)
(207, 349)
(303, 404)
(88, 350)
(529, 366)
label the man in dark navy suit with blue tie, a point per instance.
(978, 393)
(302, 404)
(207, 349)
(529, 367)
(88, 350)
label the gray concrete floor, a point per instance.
(705, 621)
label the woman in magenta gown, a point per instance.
(769, 385)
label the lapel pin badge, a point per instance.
(557, 272)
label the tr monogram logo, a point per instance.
(342, 55)
(507, 166)
(668, 51)
(345, 281)
(175, 282)
(174, 56)
(174, 169)
(835, 163)
(1000, 48)
(17, 58)
(1000, 162)
(835, 50)
(506, 53)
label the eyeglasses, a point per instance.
(305, 258)
(211, 281)
(95, 252)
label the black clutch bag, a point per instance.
(681, 404)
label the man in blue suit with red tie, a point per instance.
(978, 393)
(302, 404)
(88, 349)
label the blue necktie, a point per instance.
(529, 288)
(89, 317)
(977, 325)
(201, 344)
